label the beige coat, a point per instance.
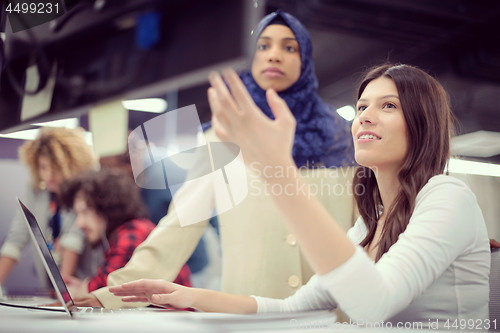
(259, 255)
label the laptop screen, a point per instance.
(50, 264)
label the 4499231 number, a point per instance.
(33, 8)
(470, 324)
(27, 14)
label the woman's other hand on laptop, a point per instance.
(157, 292)
(167, 294)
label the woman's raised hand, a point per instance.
(236, 118)
(156, 292)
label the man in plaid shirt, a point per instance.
(110, 212)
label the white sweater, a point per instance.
(437, 270)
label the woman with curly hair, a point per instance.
(110, 211)
(56, 155)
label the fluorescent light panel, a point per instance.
(473, 168)
(347, 112)
(476, 144)
(22, 135)
(68, 123)
(154, 105)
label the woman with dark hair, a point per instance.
(428, 121)
(110, 212)
(418, 254)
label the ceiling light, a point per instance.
(154, 105)
(30, 134)
(89, 138)
(473, 168)
(68, 123)
(347, 112)
(476, 144)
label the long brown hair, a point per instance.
(427, 113)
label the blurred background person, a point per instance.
(202, 264)
(56, 155)
(110, 212)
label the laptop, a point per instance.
(54, 274)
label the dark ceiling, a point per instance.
(456, 40)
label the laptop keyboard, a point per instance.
(100, 310)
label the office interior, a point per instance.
(455, 40)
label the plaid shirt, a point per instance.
(122, 244)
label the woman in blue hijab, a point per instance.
(283, 61)
(259, 254)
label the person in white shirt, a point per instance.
(418, 253)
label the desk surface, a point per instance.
(25, 320)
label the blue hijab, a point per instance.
(322, 137)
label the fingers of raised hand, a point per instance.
(280, 109)
(219, 128)
(222, 100)
(233, 109)
(238, 90)
(225, 120)
(220, 122)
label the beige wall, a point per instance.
(487, 191)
